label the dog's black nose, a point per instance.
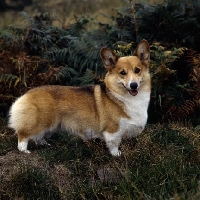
(133, 85)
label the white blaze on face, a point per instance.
(129, 82)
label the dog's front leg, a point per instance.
(112, 142)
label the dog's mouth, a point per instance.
(133, 92)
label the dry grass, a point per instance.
(162, 163)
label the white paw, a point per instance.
(22, 146)
(24, 151)
(27, 151)
(115, 152)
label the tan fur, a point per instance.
(92, 111)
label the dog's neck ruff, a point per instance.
(141, 100)
(113, 96)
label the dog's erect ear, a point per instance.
(108, 57)
(142, 51)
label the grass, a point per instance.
(30, 183)
(162, 163)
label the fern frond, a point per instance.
(49, 76)
(9, 79)
(88, 78)
(182, 110)
(67, 73)
(57, 55)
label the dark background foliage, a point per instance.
(39, 53)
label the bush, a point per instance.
(39, 53)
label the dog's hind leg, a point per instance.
(112, 142)
(22, 143)
(39, 139)
(42, 142)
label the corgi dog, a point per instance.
(109, 111)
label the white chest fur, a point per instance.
(136, 109)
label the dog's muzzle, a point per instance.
(133, 91)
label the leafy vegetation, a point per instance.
(163, 162)
(39, 53)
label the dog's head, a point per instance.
(127, 74)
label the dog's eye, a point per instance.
(137, 70)
(123, 72)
